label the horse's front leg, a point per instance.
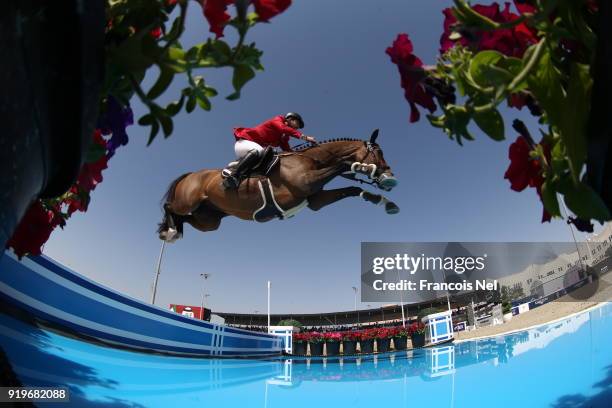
(326, 197)
(378, 199)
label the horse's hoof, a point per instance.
(170, 235)
(391, 208)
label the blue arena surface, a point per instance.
(564, 364)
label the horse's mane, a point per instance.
(307, 146)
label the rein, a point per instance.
(355, 166)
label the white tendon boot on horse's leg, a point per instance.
(171, 235)
(390, 206)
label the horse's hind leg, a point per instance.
(171, 227)
(205, 219)
(324, 198)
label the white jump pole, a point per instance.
(159, 260)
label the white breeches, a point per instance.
(243, 146)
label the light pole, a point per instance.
(159, 260)
(204, 302)
(205, 276)
(355, 290)
(268, 306)
(401, 300)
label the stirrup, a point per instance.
(225, 173)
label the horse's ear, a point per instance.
(374, 136)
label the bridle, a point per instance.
(365, 168)
(358, 166)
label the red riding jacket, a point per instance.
(273, 132)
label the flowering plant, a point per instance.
(350, 336)
(544, 56)
(416, 328)
(367, 334)
(332, 337)
(315, 337)
(400, 331)
(300, 337)
(140, 35)
(384, 333)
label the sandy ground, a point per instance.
(586, 297)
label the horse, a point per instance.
(296, 181)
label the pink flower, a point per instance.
(412, 76)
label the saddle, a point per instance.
(268, 161)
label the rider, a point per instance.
(251, 142)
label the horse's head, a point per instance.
(371, 161)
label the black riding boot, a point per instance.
(244, 165)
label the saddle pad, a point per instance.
(270, 208)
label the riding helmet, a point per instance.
(296, 116)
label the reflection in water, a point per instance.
(570, 357)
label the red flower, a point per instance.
(33, 230)
(266, 9)
(91, 173)
(76, 201)
(412, 75)
(525, 171)
(216, 14)
(509, 41)
(525, 6)
(416, 328)
(156, 32)
(518, 100)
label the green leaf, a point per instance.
(154, 132)
(167, 125)
(585, 202)
(163, 81)
(491, 122)
(174, 107)
(204, 103)
(129, 55)
(221, 47)
(151, 48)
(481, 67)
(549, 199)
(176, 53)
(575, 109)
(146, 120)
(242, 74)
(210, 92)
(545, 83)
(191, 104)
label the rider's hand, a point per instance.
(309, 139)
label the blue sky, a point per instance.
(327, 61)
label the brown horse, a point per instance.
(297, 181)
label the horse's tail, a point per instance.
(170, 220)
(169, 195)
